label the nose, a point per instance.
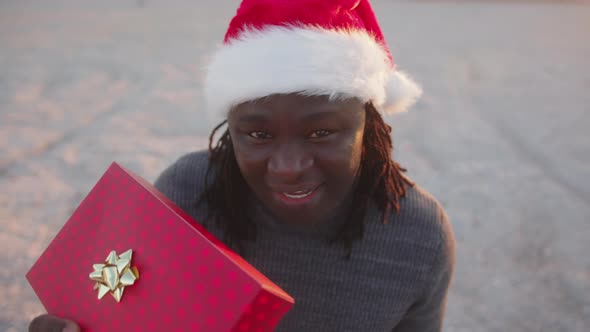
(289, 161)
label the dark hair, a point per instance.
(379, 178)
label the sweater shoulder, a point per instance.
(421, 223)
(421, 211)
(184, 180)
(419, 235)
(428, 228)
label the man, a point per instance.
(302, 181)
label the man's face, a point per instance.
(299, 155)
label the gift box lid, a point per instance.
(187, 279)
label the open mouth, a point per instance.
(298, 198)
(299, 194)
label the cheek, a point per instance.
(342, 162)
(252, 162)
(356, 152)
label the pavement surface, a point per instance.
(501, 136)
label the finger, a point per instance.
(49, 323)
(71, 327)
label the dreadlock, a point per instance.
(379, 179)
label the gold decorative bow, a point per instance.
(114, 274)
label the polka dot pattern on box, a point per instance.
(185, 282)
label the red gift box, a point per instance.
(188, 280)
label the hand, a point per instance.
(48, 323)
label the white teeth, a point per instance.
(298, 194)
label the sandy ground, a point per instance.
(501, 136)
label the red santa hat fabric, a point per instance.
(312, 47)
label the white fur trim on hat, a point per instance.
(307, 60)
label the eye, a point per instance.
(259, 134)
(320, 133)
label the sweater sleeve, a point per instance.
(427, 313)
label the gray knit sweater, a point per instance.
(396, 279)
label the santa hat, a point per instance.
(312, 47)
